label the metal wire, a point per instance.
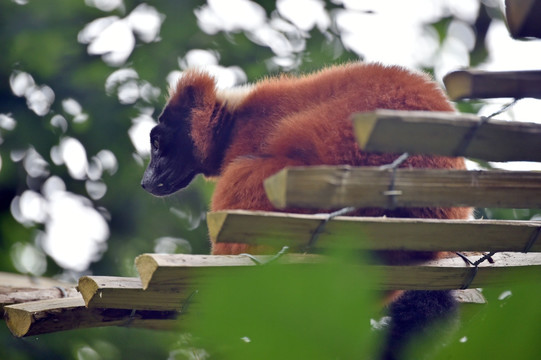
(258, 262)
(323, 223)
(467, 139)
(391, 193)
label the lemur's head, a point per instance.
(180, 143)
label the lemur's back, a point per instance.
(309, 117)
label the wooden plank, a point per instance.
(295, 230)
(166, 271)
(473, 84)
(47, 316)
(127, 293)
(341, 186)
(454, 273)
(448, 273)
(176, 269)
(33, 282)
(523, 18)
(10, 295)
(445, 134)
(16, 288)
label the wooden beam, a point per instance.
(295, 230)
(474, 84)
(523, 18)
(331, 187)
(423, 132)
(127, 293)
(47, 316)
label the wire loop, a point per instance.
(187, 302)
(391, 192)
(467, 139)
(62, 290)
(130, 319)
(258, 262)
(475, 269)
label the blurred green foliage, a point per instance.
(281, 313)
(270, 313)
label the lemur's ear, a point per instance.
(194, 90)
(186, 96)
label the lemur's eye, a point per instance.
(155, 144)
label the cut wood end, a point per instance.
(458, 84)
(87, 287)
(363, 125)
(471, 296)
(146, 266)
(215, 223)
(276, 188)
(23, 318)
(516, 14)
(17, 320)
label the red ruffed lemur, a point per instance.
(244, 135)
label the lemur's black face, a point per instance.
(172, 164)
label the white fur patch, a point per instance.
(234, 97)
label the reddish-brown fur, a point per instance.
(289, 121)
